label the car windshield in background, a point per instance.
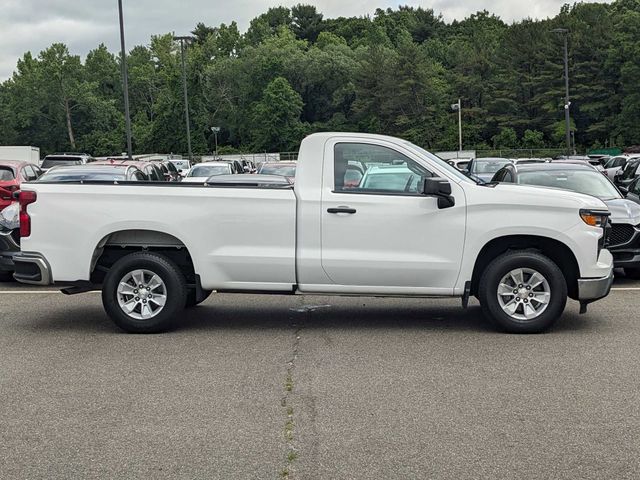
(6, 174)
(589, 182)
(209, 170)
(487, 166)
(56, 161)
(275, 169)
(180, 164)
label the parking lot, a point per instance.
(316, 387)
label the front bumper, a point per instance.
(627, 254)
(32, 268)
(592, 289)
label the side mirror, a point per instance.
(440, 188)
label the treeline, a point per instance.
(294, 72)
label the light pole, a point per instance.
(458, 107)
(184, 88)
(567, 119)
(125, 82)
(215, 131)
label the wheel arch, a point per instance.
(557, 251)
(120, 243)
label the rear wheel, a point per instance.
(523, 292)
(143, 292)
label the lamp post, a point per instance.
(184, 88)
(125, 82)
(458, 107)
(567, 119)
(215, 131)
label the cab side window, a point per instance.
(366, 168)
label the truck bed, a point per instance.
(242, 236)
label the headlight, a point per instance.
(595, 218)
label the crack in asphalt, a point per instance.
(288, 471)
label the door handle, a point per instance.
(341, 210)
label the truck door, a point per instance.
(378, 233)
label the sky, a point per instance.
(33, 25)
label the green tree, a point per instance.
(506, 138)
(276, 118)
(306, 22)
(533, 139)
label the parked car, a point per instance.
(150, 169)
(202, 171)
(597, 161)
(485, 168)
(461, 164)
(12, 174)
(95, 172)
(624, 236)
(615, 164)
(60, 159)
(9, 240)
(182, 165)
(168, 170)
(578, 162)
(248, 166)
(521, 250)
(285, 169)
(628, 174)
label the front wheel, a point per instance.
(143, 292)
(633, 273)
(523, 292)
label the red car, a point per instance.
(12, 174)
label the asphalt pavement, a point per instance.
(309, 387)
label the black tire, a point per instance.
(6, 277)
(169, 273)
(633, 273)
(501, 266)
(191, 297)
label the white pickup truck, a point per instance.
(368, 215)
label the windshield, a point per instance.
(275, 169)
(442, 164)
(480, 165)
(589, 182)
(55, 161)
(209, 170)
(6, 174)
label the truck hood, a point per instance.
(536, 196)
(624, 211)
